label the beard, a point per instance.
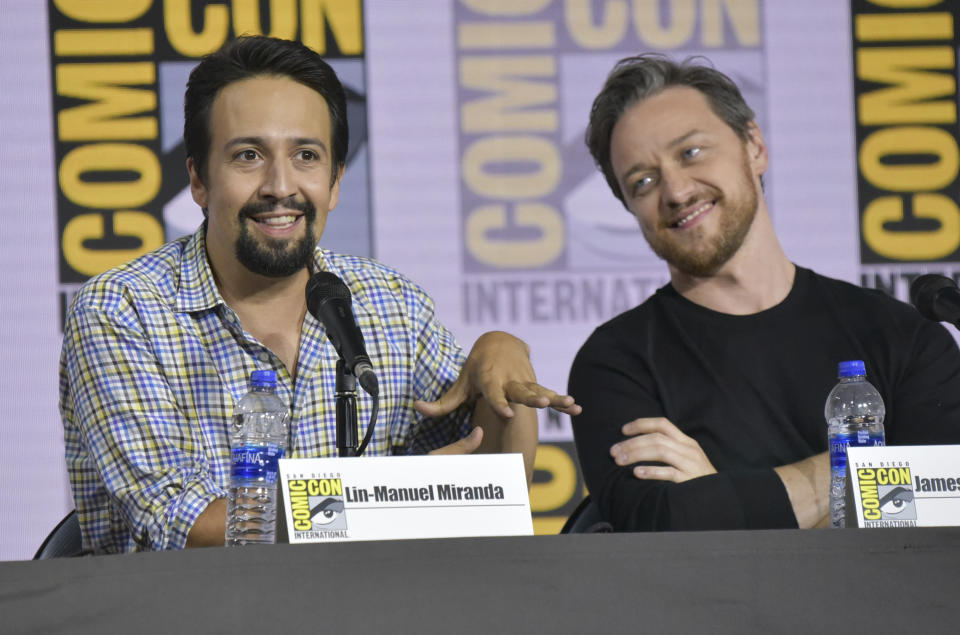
(269, 256)
(711, 253)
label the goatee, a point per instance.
(274, 257)
(711, 253)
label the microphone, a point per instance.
(329, 301)
(937, 298)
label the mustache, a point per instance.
(263, 206)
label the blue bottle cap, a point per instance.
(263, 379)
(854, 368)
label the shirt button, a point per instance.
(264, 356)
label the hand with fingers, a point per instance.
(499, 370)
(499, 380)
(657, 439)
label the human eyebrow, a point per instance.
(309, 141)
(261, 142)
(683, 138)
(243, 141)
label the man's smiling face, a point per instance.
(692, 183)
(267, 184)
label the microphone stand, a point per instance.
(346, 391)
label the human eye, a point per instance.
(641, 185)
(692, 152)
(247, 155)
(308, 155)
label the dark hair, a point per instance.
(633, 79)
(247, 57)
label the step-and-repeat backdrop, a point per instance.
(466, 167)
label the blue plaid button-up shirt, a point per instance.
(153, 363)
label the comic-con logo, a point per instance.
(317, 504)
(886, 493)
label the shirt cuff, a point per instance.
(182, 514)
(763, 498)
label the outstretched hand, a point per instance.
(658, 439)
(498, 369)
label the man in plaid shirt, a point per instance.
(157, 351)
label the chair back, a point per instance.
(586, 519)
(64, 541)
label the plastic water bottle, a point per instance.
(258, 439)
(854, 413)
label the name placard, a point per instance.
(906, 486)
(399, 497)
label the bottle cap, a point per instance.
(263, 379)
(854, 368)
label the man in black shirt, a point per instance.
(703, 407)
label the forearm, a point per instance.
(122, 417)
(210, 526)
(500, 435)
(808, 486)
(734, 499)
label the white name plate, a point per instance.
(399, 497)
(905, 486)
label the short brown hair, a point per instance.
(634, 79)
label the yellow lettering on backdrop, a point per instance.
(591, 35)
(107, 116)
(342, 16)
(892, 27)
(506, 7)
(179, 28)
(648, 22)
(544, 248)
(93, 42)
(519, 150)
(89, 262)
(505, 35)
(907, 141)
(905, 4)
(110, 157)
(744, 18)
(104, 11)
(556, 492)
(912, 245)
(512, 104)
(915, 86)
(283, 18)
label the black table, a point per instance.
(853, 581)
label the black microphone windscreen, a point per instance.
(324, 285)
(923, 293)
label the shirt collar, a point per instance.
(321, 260)
(197, 290)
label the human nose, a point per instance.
(278, 180)
(677, 186)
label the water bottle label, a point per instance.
(256, 462)
(840, 442)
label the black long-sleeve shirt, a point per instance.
(751, 390)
